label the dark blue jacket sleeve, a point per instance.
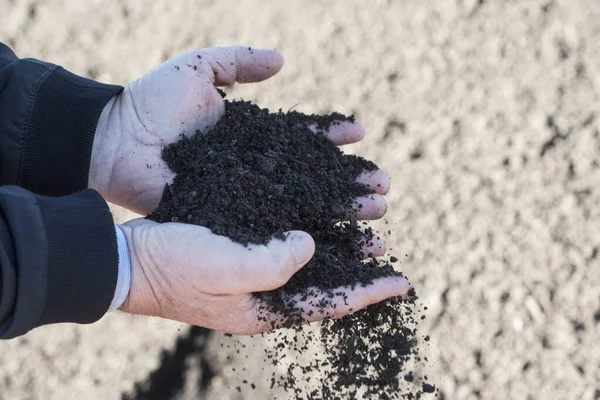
(48, 118)
(58, 253)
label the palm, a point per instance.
(178, 97)
(160, 107)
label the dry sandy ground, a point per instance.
(485, 113)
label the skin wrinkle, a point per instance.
(258, 313)
(209, 245)
(231, 80)
(98, 149)
(129, 303)
(149, 282)
(136, 194)
(244, 310)
(162, 278)
(114, 109)
(128, 98)
(135, 198)
(236, 62)
(112, 182)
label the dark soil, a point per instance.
(257, 174)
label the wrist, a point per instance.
(141, 298)
(123, 285)
(127, 305)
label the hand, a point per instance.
(188, 274)
(184, 272)
(179, 97)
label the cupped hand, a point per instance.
(188, 274)
(185, 272)
(179, 97)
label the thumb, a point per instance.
(180, 260)
(224, 266)
(227, 65)
(257, 268)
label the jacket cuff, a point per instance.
(82, 257)
(55, 158)
(59, 259)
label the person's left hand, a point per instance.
(179, 97)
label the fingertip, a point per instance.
(377, 180)
(400, 285)
(358, 131)
(385, 288)
(345, 132)
(255, 65)
(375, 247)
(302, 246)
(275, 61)
(369, 207)
(355, 131)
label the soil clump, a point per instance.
(255, 175)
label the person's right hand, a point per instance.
(188, 274)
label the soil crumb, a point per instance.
(255, 175)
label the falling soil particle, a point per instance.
(255, 175)
(427, 388)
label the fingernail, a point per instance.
(302, 245)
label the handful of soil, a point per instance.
(257, 174)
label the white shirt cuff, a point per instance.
(124, 275)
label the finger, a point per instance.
(255, 268)
(346, 301)
(369, 207)
(243, 64)
(316, 305)
(377, 180)
(343, 132)
(373, 247)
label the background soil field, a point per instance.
(486, 114)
